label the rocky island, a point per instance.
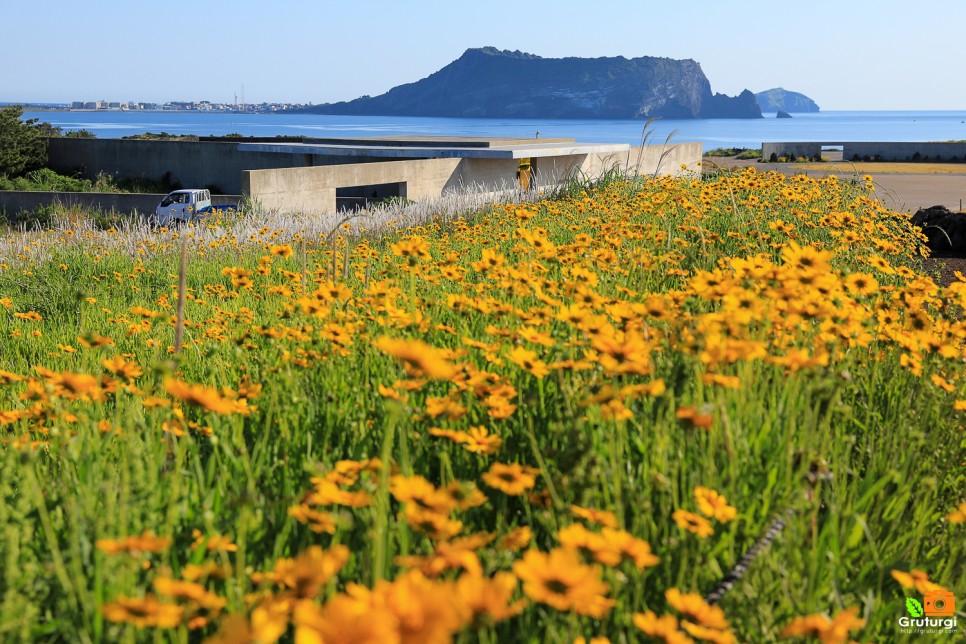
(490, 83)
(782, 100)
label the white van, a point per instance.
(182, 206)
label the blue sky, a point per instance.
(845, 54)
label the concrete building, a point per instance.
(323, 175)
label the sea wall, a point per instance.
(904, 151)
(865, 150)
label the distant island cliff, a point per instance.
(490, 83)
(782, 100)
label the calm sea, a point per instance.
(829, 127)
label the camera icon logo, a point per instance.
(939, 603)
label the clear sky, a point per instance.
(844, 54)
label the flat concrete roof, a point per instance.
(436, 147)
(434, 140)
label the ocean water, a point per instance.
(828, 127)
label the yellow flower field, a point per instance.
(558, 421)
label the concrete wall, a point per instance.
(314, 189)
(192, 164)
(552, 171)
(905, 151)
(883, 150)
(794, 150)
(14, 201)
(307, 182)
(648, 160)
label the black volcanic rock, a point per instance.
(945, 231)
(720, 106)
(490, 83)
(782, 114)
(778, 99)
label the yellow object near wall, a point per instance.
(525, 174)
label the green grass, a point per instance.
(861, 451)
(738, 153)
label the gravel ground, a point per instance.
(943, 269)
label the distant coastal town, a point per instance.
(171, 106)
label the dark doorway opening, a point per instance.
(358, 197)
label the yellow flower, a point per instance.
(270, 620)
(589, 544)
(448, 555)
(861, 284)
(513, 479)
(305, 575)
(692, 605)
(7, 377)
(958, 515)
(479, 441)
(119, 366)
(425, 359)
(143, 613)
(93, 340)
(805, 259)
(281, 250)
(419, 491)
(630, 548)
(490, 259)
(712, 504)
(412, 248)
(317, 520)
(140, 310)
(448, 406)
(212, 543)
(345, 619)
(326, 492)
(516, 539)
(729, 382)
(560, 580)
(426, 611)
(75, 385)
(693, 523)
(206, 397)
(706, 634)
(435, 524)
(528, 361)
(600, 517)
(827, 631)
(464, 495)
(489, 597)
(190, 591)
(145, 542)
(664, 628)
(916, 579)
(693, 417)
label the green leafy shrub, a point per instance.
(22, 144)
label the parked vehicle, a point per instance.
(186, 206)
